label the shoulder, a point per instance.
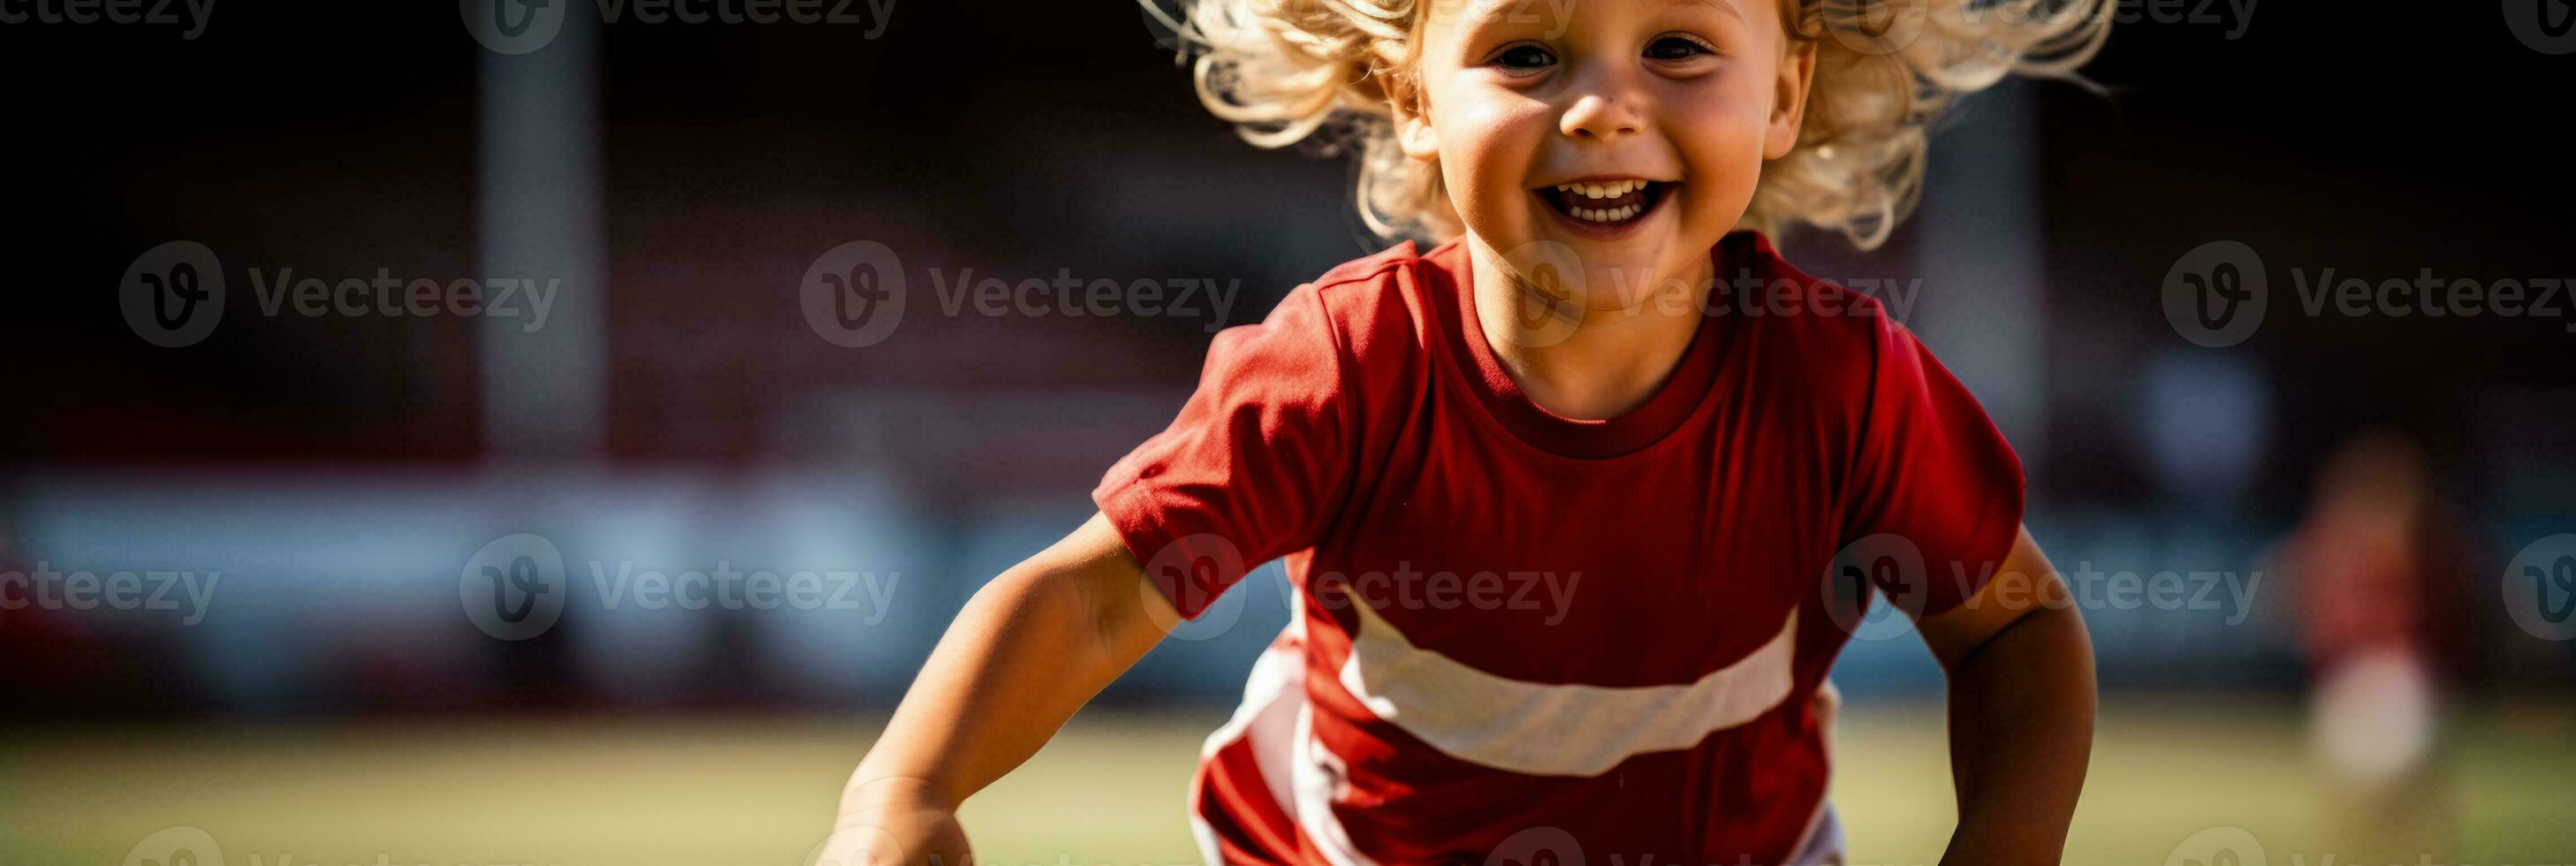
(1836, 338)
(1372, 311)
(1366, 299)
(1333, 337)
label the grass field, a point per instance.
(1108, 791)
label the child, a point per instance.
(1558, 391)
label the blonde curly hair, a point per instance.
(1325, 73)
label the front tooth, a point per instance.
(1622, 187)
(1592, 190)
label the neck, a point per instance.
(1596, 362)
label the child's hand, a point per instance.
(895, 822)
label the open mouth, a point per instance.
(1606, 204)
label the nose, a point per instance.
(1599, 116)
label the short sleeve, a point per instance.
(1932, 470)
(1252, 465)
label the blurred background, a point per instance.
(2329, 569)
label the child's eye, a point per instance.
(1524, 57)
(1677, 48)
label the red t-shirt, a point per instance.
(1515, 628)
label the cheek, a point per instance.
(1720, 138)
(1487, 145)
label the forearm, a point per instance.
(1027, 651)
(2021, 733)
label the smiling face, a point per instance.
(1632, 132)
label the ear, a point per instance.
(1413, 130)
(1789, 98)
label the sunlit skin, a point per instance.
(1516, 98)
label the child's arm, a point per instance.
(1027, 651)
(2021, 711)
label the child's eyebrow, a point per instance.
(1726, 6)
(1487, 12)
